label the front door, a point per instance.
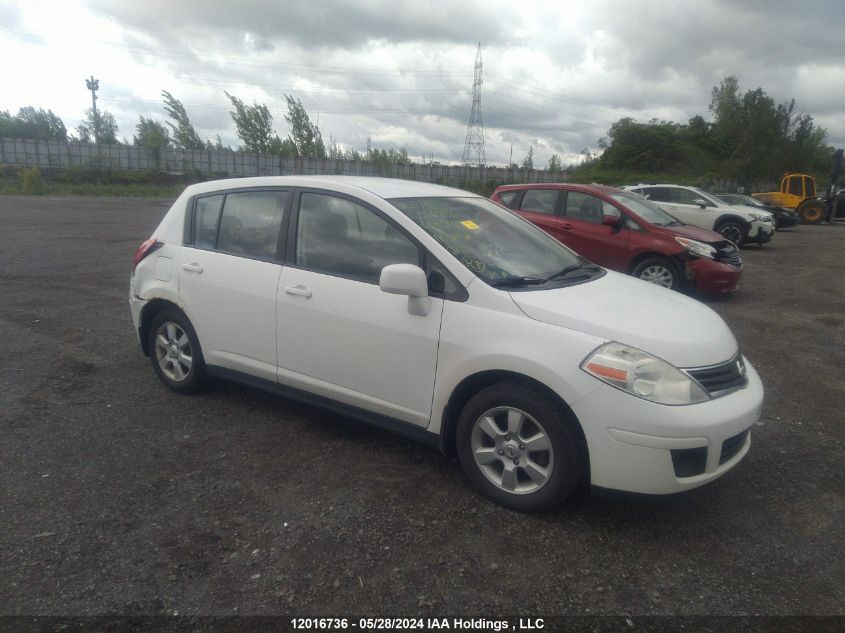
(602, 244)
(339, 335)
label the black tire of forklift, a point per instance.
(812, 211)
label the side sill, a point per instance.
(401, 427)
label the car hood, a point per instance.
(680, 330)
(692, 232)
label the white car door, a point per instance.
(228, 277)
(339, 335)
(680, 203)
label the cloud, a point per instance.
(556, 75)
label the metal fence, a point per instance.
(57, 155)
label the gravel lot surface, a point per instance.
(121, 497)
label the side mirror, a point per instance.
(410, 280)
(700, 202)
(611, 220)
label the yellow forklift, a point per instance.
(798, 193)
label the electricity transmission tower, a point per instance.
(474, 144)
(94, 85)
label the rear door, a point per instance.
(339, 335)
(540, 206)
(228, 271)
(588, 236)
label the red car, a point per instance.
(625, 232)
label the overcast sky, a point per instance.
(556, 74)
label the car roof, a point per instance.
(386, 188)
(574, 186)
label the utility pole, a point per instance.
(474, 144)
(94, 86)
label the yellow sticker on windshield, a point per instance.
(470, 224)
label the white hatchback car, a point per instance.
(740, 224)
(443, 315)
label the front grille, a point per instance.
(721, 378)
(732, 446)
(728, 253)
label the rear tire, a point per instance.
(519, 447)
(812, 211)
(733, 231)
(175, 352)
(658, 270)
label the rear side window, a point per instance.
(539, 201)
(657, 194)
(339, 237)
(251, 222)
(206, 220)
(507, 198)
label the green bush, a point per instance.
(31, 181)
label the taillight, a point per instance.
(150, 246)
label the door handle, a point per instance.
(299, 291)
(193, 267)
(567, 227)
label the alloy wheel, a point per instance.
(173, 351)
(512, 450)
(659, 275)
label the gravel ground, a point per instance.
(120, 497)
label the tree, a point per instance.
(151, 133)
(555, 163)
(103, 122)
(528, 161)
(304, 134)
(184, 134)
(33, 124)
(254, 126)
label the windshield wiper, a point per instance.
(569, 269)
(518, 281)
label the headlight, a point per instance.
(642, 375)
(697, 248)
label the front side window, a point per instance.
(540, 201)
(809, 188)
(583, 206)
(648, 211)
(685, 196)
(339, 237)
(795, 186)
(251, 222)
(494, 244)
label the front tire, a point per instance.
(812, 211)
(519, 447)
(175, 352)
(733, 231)
(659, 271)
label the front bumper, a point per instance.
(712, 277)
(786, 220)
(631, 441)
(761, 232)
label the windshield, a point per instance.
(492, 242)
(648, 211)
